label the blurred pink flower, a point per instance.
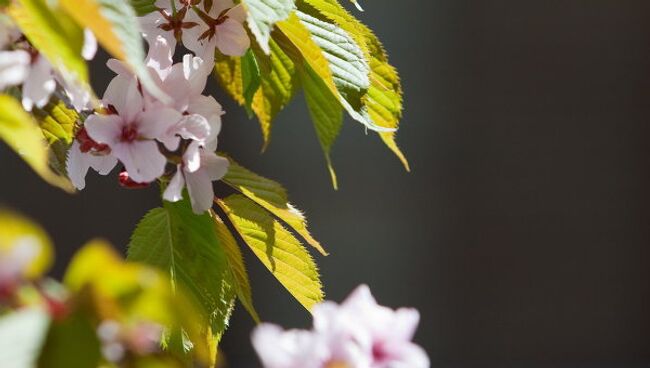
(356, 333)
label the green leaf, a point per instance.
(263, 14)
(237, 266)
(185, 245)
(276, 247)
(22, 334)
(271, 196)
(58, 351)
(143, 7)
(54, 34)
(23, 135)
(326, 113)
(384, 97)
(251, 78)
(115, 24)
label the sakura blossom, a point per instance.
(130, 131)
(201, 26)
(84, 154)
(356, 333)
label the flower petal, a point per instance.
(89, 48)
(231, 38)
(215, 166)
(124, 95)
(155, 123)
(105, 129)
(14, 67)
(194, 126)
(196, 71)
(142, 160)
(39, 84)
(77, 166)
(192, 157)
(199, 187)
(174, 190)
(237, 13)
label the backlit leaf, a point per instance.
(276, 247)
(19, 130)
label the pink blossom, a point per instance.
(357, 333)
(130, 130)
(198, 170)
(201, 28)
(84, 154)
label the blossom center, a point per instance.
(379, 353)
(129, 133)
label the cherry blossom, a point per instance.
(198, 169)
(200, 27)
(130, 131)
(356, 333)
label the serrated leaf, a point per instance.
(50, 30)
(237, 266)
(25, 244)
(276, 247)
(272, 196)
(115, 24)
(326, 113)
(263, 14)
(334, 56)
(22, 334)
(185, 245)
(384, 97)
(57, 122)
(19, 130)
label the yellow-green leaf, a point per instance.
(237, 266)
(384, 97)
(19, 130)
(115, 24)
(272, 196)
(276, 247)
(25, 244)
(326, 113)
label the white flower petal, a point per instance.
(231, 38)
(194, 126)
(199, 187)
(123, 94)
(192, 157)
(237, 13)
(118, 67)
(215, 166)
(218, 6)
(39, 84)
(160, 56)
(102, 164)
(174, 190)
(89, 48)
(105, 129)
(142, 160)
(14, 67)
(196, 71)
(77, 166)
(156, 122)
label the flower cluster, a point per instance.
(359, 333)
(175, 140)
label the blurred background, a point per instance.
(522, 234)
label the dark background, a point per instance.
(522, 233)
